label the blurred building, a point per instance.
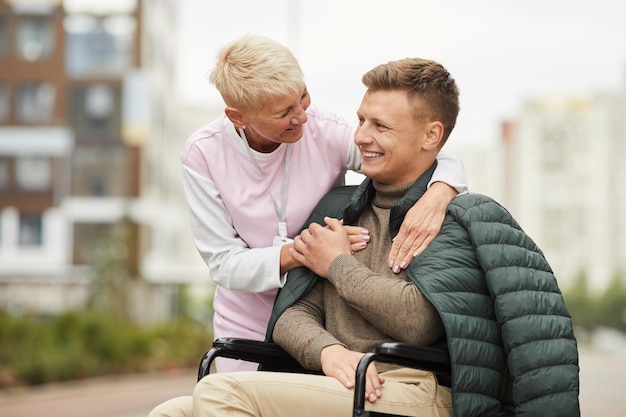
(565, 172)
(88, 137)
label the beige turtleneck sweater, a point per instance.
(362, 303)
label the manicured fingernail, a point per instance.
(362, 245)
(365, 238)
(365, 231)
(396, 269)
(416, 254)
(391, 264)
(403, 265)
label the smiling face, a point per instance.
(396, 147)
(280, 120)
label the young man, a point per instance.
(482, 288)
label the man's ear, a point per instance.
(235, 116)
(434, 135)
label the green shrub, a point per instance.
(590, 310)
(82, 344)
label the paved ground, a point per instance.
(603, 392)
(128, 396)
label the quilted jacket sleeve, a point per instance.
(536, 328)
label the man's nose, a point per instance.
(361, 135)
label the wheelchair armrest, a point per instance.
(421, 357)
(427, 358)
(270, 356)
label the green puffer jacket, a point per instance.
(509, 334)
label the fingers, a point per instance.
(373, 384)
(332, 223)
(344, 380)
(403, 251)
(358, 237)
(405, 246)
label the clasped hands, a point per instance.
(317, 246)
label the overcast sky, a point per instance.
(500, 52)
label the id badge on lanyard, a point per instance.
(281, 239)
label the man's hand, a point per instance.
(317, 246)
(421, 225)
(341, 364)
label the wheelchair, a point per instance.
(271, 357)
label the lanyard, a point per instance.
(282, 209)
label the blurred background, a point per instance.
(98, 96)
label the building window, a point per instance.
(3, 36)
(95, 111)
(554, 142)
(99, 45)
(33, 173)
(4, 102)
(4, 172)
(99, 102)
(96, 187)
(35, 102)
(35, 38)
(30, 229)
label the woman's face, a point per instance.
(280, 120)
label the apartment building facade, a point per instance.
(565, 176)
(86, 115)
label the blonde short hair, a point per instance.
(252, 70)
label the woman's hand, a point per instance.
(358, 236)
(421, 225)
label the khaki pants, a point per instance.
(406, 391)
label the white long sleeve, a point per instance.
(451, 171)
(232, 264)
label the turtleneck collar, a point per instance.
(387, 195)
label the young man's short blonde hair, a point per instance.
(252, 70)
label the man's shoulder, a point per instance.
(478, 209)
(474, 204)
(471, 199)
